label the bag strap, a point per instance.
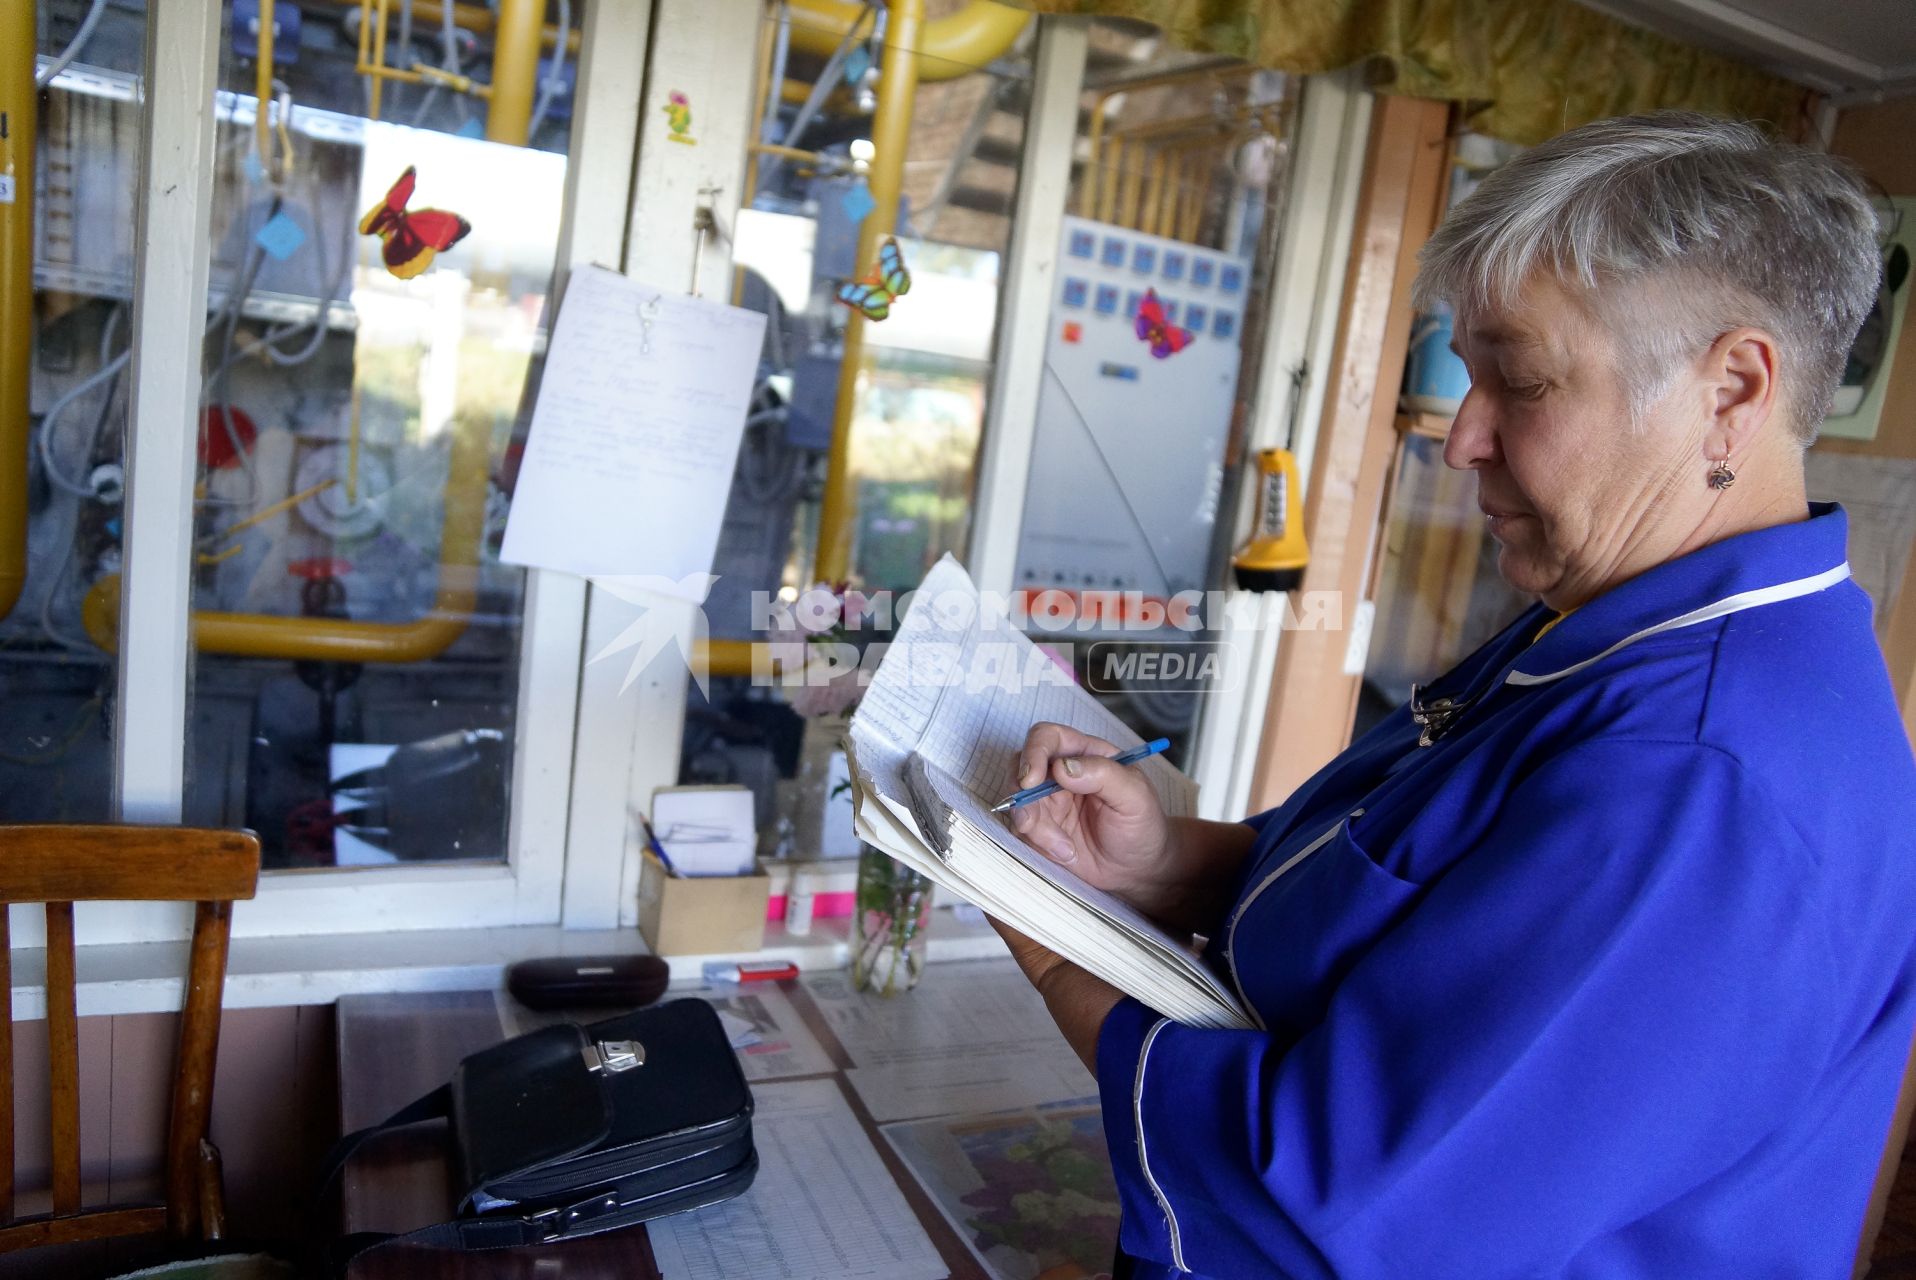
(499, 1230)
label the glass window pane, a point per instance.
(1151, 355)
(383, 246)
(69, 170)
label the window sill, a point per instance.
(264, 972)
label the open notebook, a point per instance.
(935, 744)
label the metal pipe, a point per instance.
(891, 131)
(256, 635)
(18, 108)
(947, 48)
(263, 88)
(474, 18)
(379, 58)
(515, 70)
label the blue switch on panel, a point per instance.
(1173, 266)
(1107, 303)
(1194, 319)
(1231, 279)
(1113, 252)
(1074, 291)
(1144, 259)
(1084, 245)
(1224, 324)
(1202, 270)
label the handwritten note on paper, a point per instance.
(635, 433)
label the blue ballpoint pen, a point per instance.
(1019, 799)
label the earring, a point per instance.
(1721, 477)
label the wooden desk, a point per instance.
(392, 1048)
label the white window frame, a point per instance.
(171, 272)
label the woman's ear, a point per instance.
(1740, 372)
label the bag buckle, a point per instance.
(553, 1223)
(614, 1055)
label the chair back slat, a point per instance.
(6, 1067)
(61, 865)
(49, 863)
(193, 1075)
(63, 1043)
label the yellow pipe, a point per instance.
(1147, 215)
(794, 91)
(19, 100)
(955, 45)
(1108, 185)
(263, 88)
(1126, 214)
(891, 130)
(1103, 99)
(474, 18)
(515, 70)
(379, 58)
(256, 635)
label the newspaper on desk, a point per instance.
(935, 743)
(823, 1206)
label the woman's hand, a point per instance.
(1108, 827)
(1106, 824)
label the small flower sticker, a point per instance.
(678, 116)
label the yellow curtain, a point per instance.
(1541, 66)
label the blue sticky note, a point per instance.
(255, 171)
(1083, 245)
(857, 203)
(1195, 317)
(1201, 270)
(1074, 292)
(1144, 259)
(857, 63)
(1107, 303)
(281, 237)
(1113, 252)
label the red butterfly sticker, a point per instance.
(410, 238)
(1166, 339)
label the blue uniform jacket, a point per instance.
(1613, 980)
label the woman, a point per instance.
(1595, 960)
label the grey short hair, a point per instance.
(1675, 228)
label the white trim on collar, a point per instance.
(1727, 605)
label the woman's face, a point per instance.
(1575, 497)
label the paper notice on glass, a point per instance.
(972, 1037)
(635, 434)
(823, 1206)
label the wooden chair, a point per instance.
(61, 865)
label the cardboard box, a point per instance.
(701, 915)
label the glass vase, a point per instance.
(888, 940)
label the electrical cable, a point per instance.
(108, 371)
(45, 77)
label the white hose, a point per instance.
(72, 51)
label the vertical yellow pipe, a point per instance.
(1140, 188)
(18, 107)
(1147, 220)
(1168, 199)
(263, 88)
(1126, 213)
(515, 69)
(1096, 159)
(1114, 162)
(379, 57)
(891, 131)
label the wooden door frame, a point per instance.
(1313, 689)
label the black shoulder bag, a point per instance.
(571, 1130)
